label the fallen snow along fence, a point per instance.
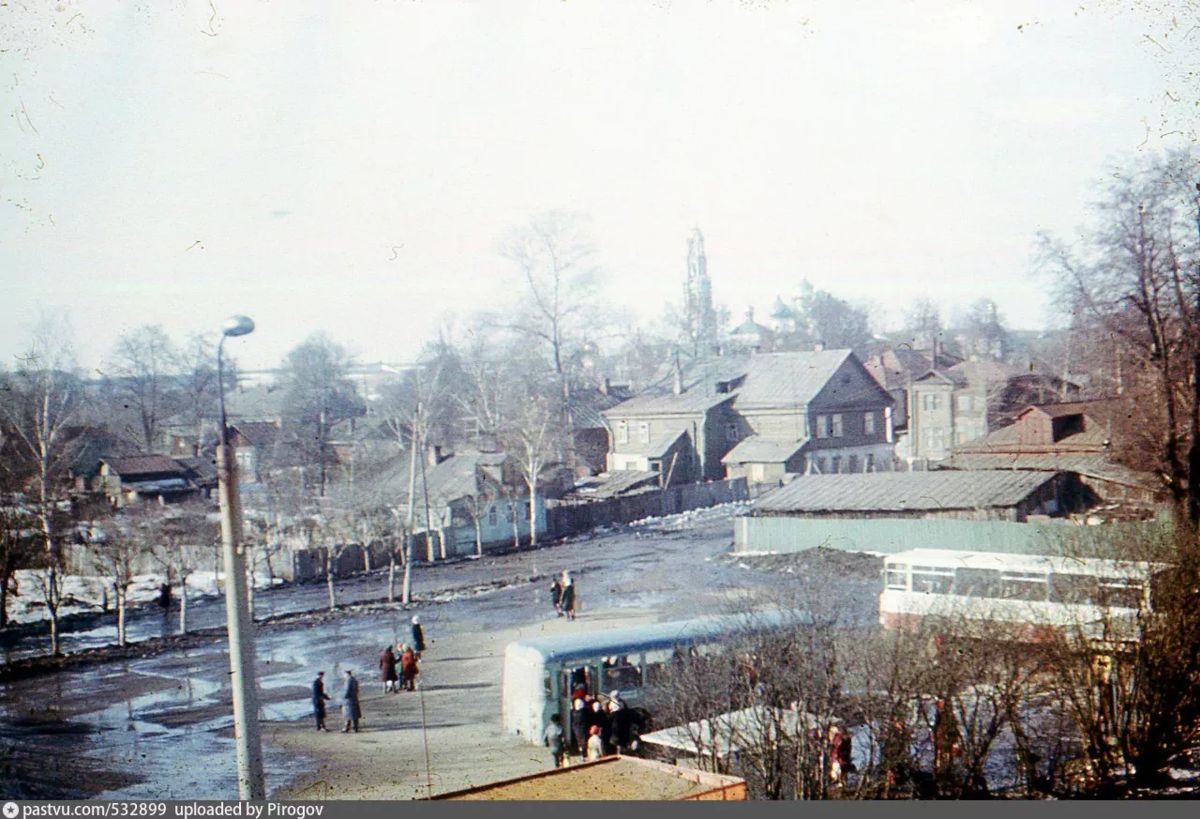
(572, 518)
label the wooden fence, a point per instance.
(569, 518)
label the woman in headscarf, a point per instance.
(409, 669)
(387, 667)
(568, 596)
(418, 636)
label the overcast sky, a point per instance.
(350, 166)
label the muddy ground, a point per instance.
(155, 723)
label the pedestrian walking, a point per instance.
(418, 636)
(387, 668)
(552, 738)
(351, 710)
(409, 669)
(556, 590)
(595, 745)
(568, 600)
(319, 698)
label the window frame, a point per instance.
(622, 432)
(869, 423)
(643, 432)
(837, 428)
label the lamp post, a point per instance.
(242, 658)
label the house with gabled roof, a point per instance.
(1070, 437)
(140, 478)
(758, 416)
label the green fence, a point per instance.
(888, 536)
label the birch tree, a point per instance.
(39, 405)
(142, 370)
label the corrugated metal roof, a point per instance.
(1095, 466)
(902, 492)
(757, 449)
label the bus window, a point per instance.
(621, 677)
(977, 583)
(932, 579)
(549, 683)
(897, 576)
(1074, 589)
(1023, 586)
(1120, 593)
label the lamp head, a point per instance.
(237, 326)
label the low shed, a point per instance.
(614, 778)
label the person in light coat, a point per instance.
(351, 710)
(418, 636)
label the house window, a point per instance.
(821, 465)
(731, 432)
(835, 464)
(931, 402)
(869, 463)
(965, 403)
(508, 513)
(852, 463)
(822, 426)
(492, 516)
(869, 423)
(837, 426)
(644, 432)
(622, 432)
(961, 437)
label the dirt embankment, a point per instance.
(812, 563)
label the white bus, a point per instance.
(1032, 594)
(540, 674)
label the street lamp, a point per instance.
(242, 660)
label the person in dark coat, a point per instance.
(579, 725)
(556, 590)
(319, 697)
(351, 710)
(387, 666)
(418, 637)
(409, 669)
(567, 602)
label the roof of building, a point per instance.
(902, 492)
(788, 379)
(617, 482)
(132, 466)
(204, 469)
(160, 486)
(733, 731)
(588, 406)
(757, 449)
(982, 371)
(771, 380)
(456, 477)
(1007, 439)
(1067, 409)
(613, 778)
(893, 369)
(258, 433)
(1088, 465)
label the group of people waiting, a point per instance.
(563, 594)
(399, 671)
(596, 729)
(401, 666)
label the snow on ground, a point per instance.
(84, 594)
(685, 520)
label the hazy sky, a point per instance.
(350, 166)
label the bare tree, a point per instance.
(143, 365)
(17, 546)
(39, 407)
(196, 364)
(118, 553)
(559, 305)
(318, 394)
(1136, 275)
(535, 437)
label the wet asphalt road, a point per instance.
(159, 727)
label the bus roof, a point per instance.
(1003, 561)
(657, 635)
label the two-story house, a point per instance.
(810, 412)
(760, 416)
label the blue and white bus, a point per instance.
(540, 674)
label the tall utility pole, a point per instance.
(242, 659)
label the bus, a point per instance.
(540, 674)
(1033, 595)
